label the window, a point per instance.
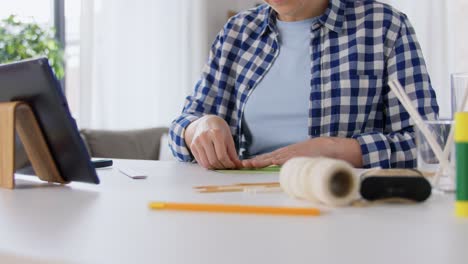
(41, 11)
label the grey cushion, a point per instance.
(134, 144)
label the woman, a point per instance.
(307, 78)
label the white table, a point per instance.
(111, 223)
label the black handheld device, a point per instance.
(102, 163)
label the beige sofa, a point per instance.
(142, 144)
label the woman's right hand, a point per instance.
(210, 141)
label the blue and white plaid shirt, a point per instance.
(356, 47)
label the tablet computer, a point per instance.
(33, 81)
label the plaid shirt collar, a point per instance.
(333, 17)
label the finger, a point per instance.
(258, 161)
(200, 156)
(253, 162)
(261, 163)
(232, 152)
(280, 160)
(222, 153)
(247, 163)
(262, 157)
(211, 154)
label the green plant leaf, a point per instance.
(22, 40)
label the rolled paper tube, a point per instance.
(461, 141)
(329, 181)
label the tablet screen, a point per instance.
(33, 81)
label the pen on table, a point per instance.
(242, 209)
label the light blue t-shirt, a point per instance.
(276, 112)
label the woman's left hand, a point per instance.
(340, 148)
(308, 148)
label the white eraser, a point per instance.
(133, 173)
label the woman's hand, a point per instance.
(308, 148)
(210, 141)
(338, 148)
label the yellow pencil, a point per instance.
(242, 209)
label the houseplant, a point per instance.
(22, 40)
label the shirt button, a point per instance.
(316, 25)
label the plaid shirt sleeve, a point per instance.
(395, 147)
(200, 103)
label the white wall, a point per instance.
(216, 16)
(210, 21)
(218, 10)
